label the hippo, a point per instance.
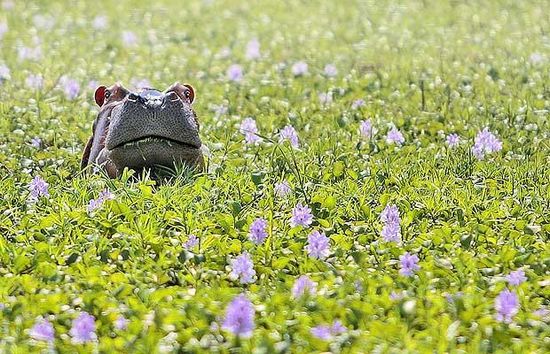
(146, 129)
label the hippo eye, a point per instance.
(107, 94)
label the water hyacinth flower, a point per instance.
(318, 245)
(35, 82)
(38, 188)
(325, 98)
(100, 22)
(83, 328)
(5, 73)
(326, 332)
(302, 286)
(191, 242)
(485, 143)
(257, 232)
(129, 39)
(282, 189)
(358, 103)
(239, 317)
(121, 323)
(36, 142)
(534, 58)
(95, 204)
(289, 133)
(249, 129)
(391, 233)
(8, 4)
(242, 268)
(235, 73)
(253, 49)
(390, 214)
(42, 331)
(330, 70)
(395, 136)
(409, 264)
(3, 29)
(365, 129)
(71, 87)
(28, 53)
(301, 215)
(140, 83)
(453, 140)
(300, 68)
(506, 305)
(516, 277)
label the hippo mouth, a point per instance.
(154, 139)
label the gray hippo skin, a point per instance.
(144, 130)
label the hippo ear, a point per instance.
(100, 95)
(189, 92)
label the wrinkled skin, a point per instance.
(147, 129)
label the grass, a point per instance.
(429, 68)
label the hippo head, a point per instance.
(144, 129)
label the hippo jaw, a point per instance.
(153, 129)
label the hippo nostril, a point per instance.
(133, 97)
(172, 96)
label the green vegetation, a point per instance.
(428, 68)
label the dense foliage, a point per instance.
(338, 213)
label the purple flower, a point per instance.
(395, 136)
(129, 39)
(330, 70)
(318, 245)
(235, 73)
(239, 317)
(35, 82)
(302, 286)
(390, 214)
(100, 22)
(365, 128)
(289, 133)
(140, 83)
(83, 328)
(249, 129)
(395, 296)
(24, 53)
(453, 140)
(282, 189)
(534, 58)
(71, 88)
(8, 4)
(4, 73)
(299, 68)
(106, 195)
(121, 323)
(253, 49)
(38, 188)
(257, 232)
(93, 84)
(358, 103)
(506, 305)
(516, 277)
(391, 233)
(95, 204)
(3, 29)
(325, 98)
(321, 332)
(301, 215)
(191, 242)
(485, 143)
(42, 331)
(409, 264)
(326, 332)
(36, 142)
(242, 268)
